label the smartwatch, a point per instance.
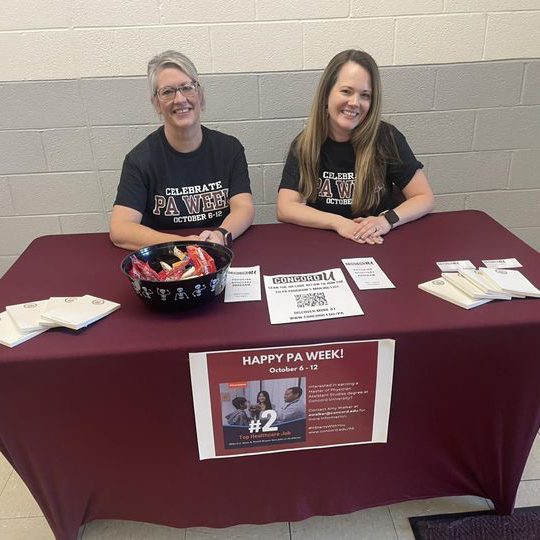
(227, 237)
(391, 217)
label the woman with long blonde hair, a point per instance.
(344, 168)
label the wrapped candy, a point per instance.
(204, 264)
(197, 262)
(142, 270)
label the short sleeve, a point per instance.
(132, 189)
(239, 174)
(290, 178)
(400, 172)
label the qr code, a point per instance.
(310, 300)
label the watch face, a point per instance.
(227, 237)
(391, 217)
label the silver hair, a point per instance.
(171, 59)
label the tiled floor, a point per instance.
(21, 518)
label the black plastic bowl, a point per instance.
(185, 293)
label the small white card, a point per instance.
(10, 335)
(243, 284)
(367, 274)
(454, 266)
(82, 312)
(502, 263)
(27, 316)
(310, 297)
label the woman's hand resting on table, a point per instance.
(291, 208)
(212, 236)
(363, 233)
(371, 226)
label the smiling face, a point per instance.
(349, 101)
(182, 113)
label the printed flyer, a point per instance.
(310, 297)
(257, 401)
(243, 284)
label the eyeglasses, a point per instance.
(168, 93)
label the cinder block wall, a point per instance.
(461, 80)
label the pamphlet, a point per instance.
(367, 274)
(310, 297)
(278, 399)
(243, 284)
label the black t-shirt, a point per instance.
(337, 175)
(174, 190)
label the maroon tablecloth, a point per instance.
(99, 423)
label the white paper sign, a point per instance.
(367, 274)
(345, 399)
(453, 266)
(243, 284)
(502, 263)
(310, 297)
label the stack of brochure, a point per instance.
(22, 322)
(469, 288)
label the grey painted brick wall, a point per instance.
(476, 127)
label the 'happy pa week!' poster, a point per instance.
(255, 401)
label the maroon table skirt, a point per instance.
(100, 424)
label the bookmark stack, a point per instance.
(469, 288)
(22, 322)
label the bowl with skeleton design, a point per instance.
(178, 294)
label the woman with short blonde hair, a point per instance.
(183, 175)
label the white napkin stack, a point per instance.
(442, 288)
(10, 335)
(480, 280)
(21, 322)
(511, 281)
(469, 288)
(80, 313)
(28, 315)
(52, 303)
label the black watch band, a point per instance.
(227, 236)
(391, 217)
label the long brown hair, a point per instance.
(371, 150)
